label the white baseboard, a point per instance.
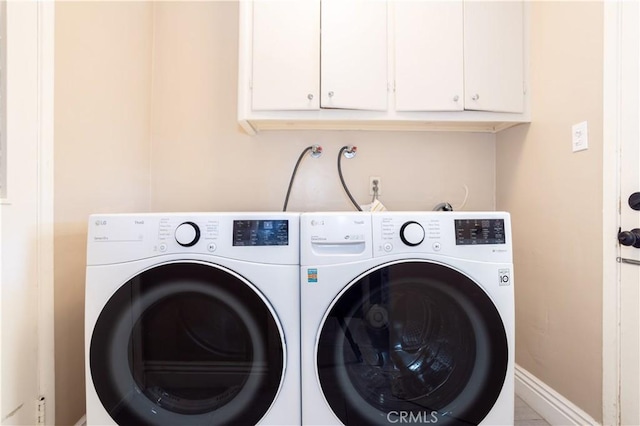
(553, 407)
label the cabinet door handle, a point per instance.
(310, 96)
(330, 94)
(475, 97)
(456, 98)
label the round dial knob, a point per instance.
(187, 234)
(412, 233)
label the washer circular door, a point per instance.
(187, 343)
(412, 342)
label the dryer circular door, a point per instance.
(412, 342)
(187, 343)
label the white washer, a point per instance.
(407, 318)
(193, 319)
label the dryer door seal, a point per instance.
(186, 343)
(414, 342)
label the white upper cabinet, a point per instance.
(494, 56)
(286, 55)
(457, 65)
(429, 56)
(454, 55)
(354, 54)
(299, 48)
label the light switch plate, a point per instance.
(580, 136)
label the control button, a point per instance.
(436, 246)
(212, 247)
(412, 233)
(387, 247)
(187, 234)
(163, 247)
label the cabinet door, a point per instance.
(494, 55)
(428, 56)
(354, 54)
(286, 55)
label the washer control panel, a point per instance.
(480, 231)
(412, 233)
(397, 232)
(485, 234)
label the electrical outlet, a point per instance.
(580, 137)
(373, 181)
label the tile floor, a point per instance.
(525, 416)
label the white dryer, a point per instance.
(193, 319)
(407, 318)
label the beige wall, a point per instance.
(555, 197)
(146, 120)
(201, 160)
(102, 98)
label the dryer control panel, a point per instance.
(271, 238)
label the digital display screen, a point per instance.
(260, 232)
(479, 231)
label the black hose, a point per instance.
(344, 185)
(293, 175)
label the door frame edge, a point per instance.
(45, 218)
(610, 214)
